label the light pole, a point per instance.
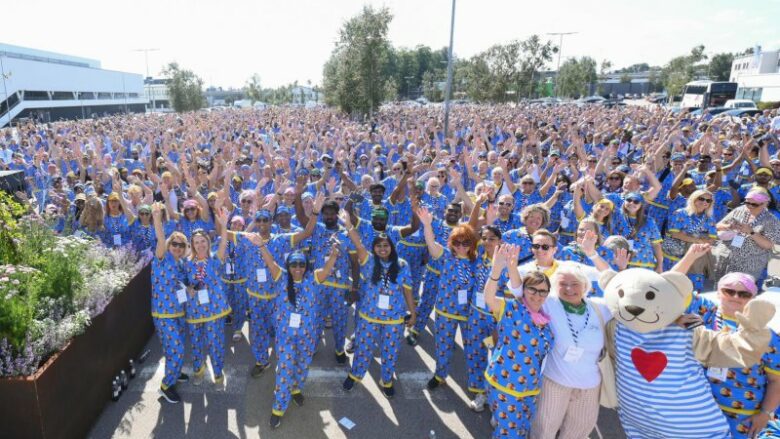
(448, 89)
(5, 90)
(560, 49)
(146, 57)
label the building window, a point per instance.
(30, 95)
(133, 95)
(86, 95)
(104, 95)
(62, 95)
(119, 95)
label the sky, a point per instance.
(227, 41)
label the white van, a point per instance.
(740, 103)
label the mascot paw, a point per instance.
(757, 315)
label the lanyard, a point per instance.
(576, 334)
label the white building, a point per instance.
(51, 86)
(156, 94)
(758, 75)
(304, 95)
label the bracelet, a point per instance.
(495, 280)
(593, 256)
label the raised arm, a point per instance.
(362, 254)
(222, 219)
(321, 274)
(434, 248)
(159, 251)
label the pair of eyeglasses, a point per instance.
(733, 293)
(144, 213)
(396, 169)
(544, 247)
(527, 183)
(246, 201)
(593, 161)
(728, 154)
(634, 201)
(263, 220)
(614, 177)
(458, 243)
(751, 204)
(705, 200)
(297, 264)
(616, 163)
(502, 203)
(536, 291)
(178, 244)
(339, 199)
(190, 209)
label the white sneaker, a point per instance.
(493, 422)
(478, 404)
(197, 377)
(237, 336)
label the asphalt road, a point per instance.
(243, 410)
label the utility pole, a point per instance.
(146, 57)
(560, 49)
(448, 89)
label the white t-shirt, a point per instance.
(570, 364)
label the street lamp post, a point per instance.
(560, 49)
(5, 90)
(146, 57)
(448, 89)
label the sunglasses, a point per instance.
(396, 169)
(190, 209)
(728, 154)
(458, 243)
(502, 203)
(339, 199)
(616, 163)
(751, 204)
(246, 201)
(634, 201)
(705, 200)
(537, 292)
(178, 244)
(614, 178)
(297, 264)
(733, 293)
(544, 247)
(263, 220)
(593, 161)
(144, 213)
(528, 183)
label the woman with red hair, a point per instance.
(456, 285)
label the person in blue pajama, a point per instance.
(296, 323)
(260, 287)
(340, 289)
(207, 305)
(481, 323)
(167, 304)
(748, 397)
(524, 339)
(193, 217)
(117, 223)
(535, 217)
(691, 225)
(385, 297)
(456, 285)
(234, 279)
(142, 234)
(441, 232)
(642, 234)
(576, 251)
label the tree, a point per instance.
(185, 88)
(720, 66)
(253, 89)
(354, 77)
(681, 70)
(576, 76)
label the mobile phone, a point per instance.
(405, 165)
(504, 153)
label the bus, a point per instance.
(704, 94)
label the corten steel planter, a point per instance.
(67, 394)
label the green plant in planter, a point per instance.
(18, 298)
(10, 236)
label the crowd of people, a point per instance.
(298, 221)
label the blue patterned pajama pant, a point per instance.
(237, 298)
(446, 329)
(170, 331)
(261, 327)
(368, 334)
(208, 338)
(425, 305)
(332, 302)
(513, 415)
(294, 356)
(480, 326)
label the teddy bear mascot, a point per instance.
(662, 391)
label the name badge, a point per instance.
(338, 274)
(573, 354)
(295, 320)
(228, 268)
(463, 297)
(564, 221)
(717, 373)
(384, 301)
(117, 239)
(738, 241)
(480, 300)
(181, 295)
(261, 275)
(203, 296)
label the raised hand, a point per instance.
(589, 242)
(512, 254)
(425, 216)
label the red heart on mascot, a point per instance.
(649, 364)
